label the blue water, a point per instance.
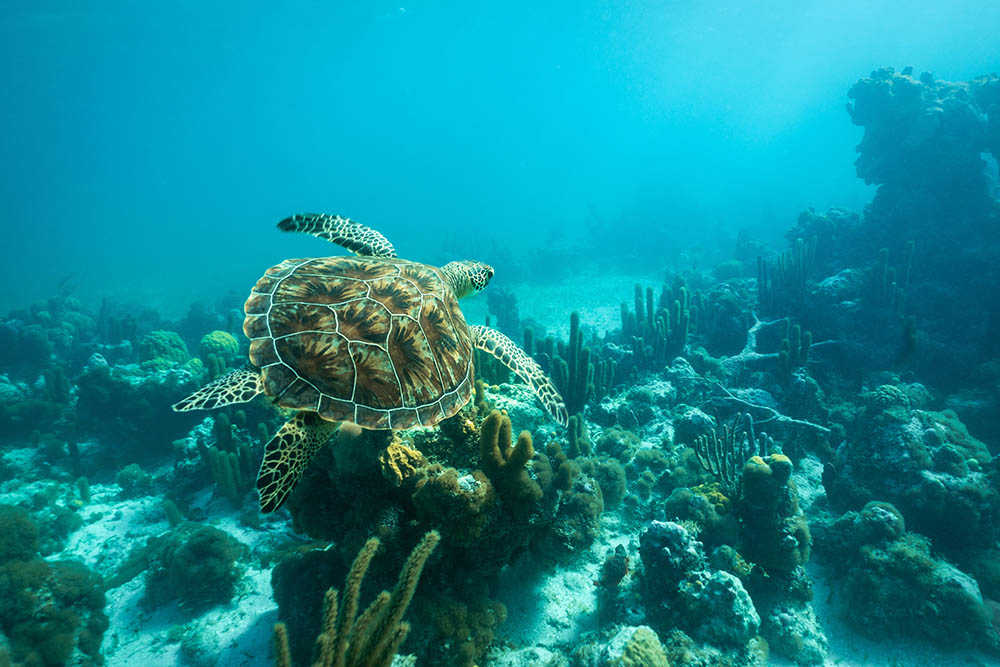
(782, 423)
(149, 148)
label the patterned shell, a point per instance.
(375, 341)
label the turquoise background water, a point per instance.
(149, 148)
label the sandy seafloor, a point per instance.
(596, 296)
(547, 612)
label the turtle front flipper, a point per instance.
(287, 454)
(526, 368)
(239, 386)
(355, 237)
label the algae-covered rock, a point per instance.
(635, 647)
(894, 585)
(18, 534)
(706, 508)
(611, 477)
(467, 628)
(34, 345)
(52, 612)
(617, 443)
(670, 552)
(903, 589)
(134, 481)
(520, 404)
(718, 609)
(196, 565)
(576, 524)
(924, 463)
(130, 408)
(681, 591)
(461, 504)
(794, 632)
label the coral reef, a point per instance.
(834, 399)
(921, 130)
(502, 304)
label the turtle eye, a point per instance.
(481, 275)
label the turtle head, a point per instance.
(467, 277)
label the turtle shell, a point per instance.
(375, 341)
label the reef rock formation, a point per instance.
(924, 131)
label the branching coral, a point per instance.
(372, 638)
(749, 356)
(724, 452)
(772, 415)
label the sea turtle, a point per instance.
(367, 338)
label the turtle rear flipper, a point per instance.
(526, 368)
(287, 454)
(355, 237)
(239, 386)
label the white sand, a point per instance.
(237, 633)
(597, 297)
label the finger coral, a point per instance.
(372, 638)
(504, 464)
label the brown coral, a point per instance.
(775, 532)
(372, 638)
(400, 462)
(505, 464)
(460, 504)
